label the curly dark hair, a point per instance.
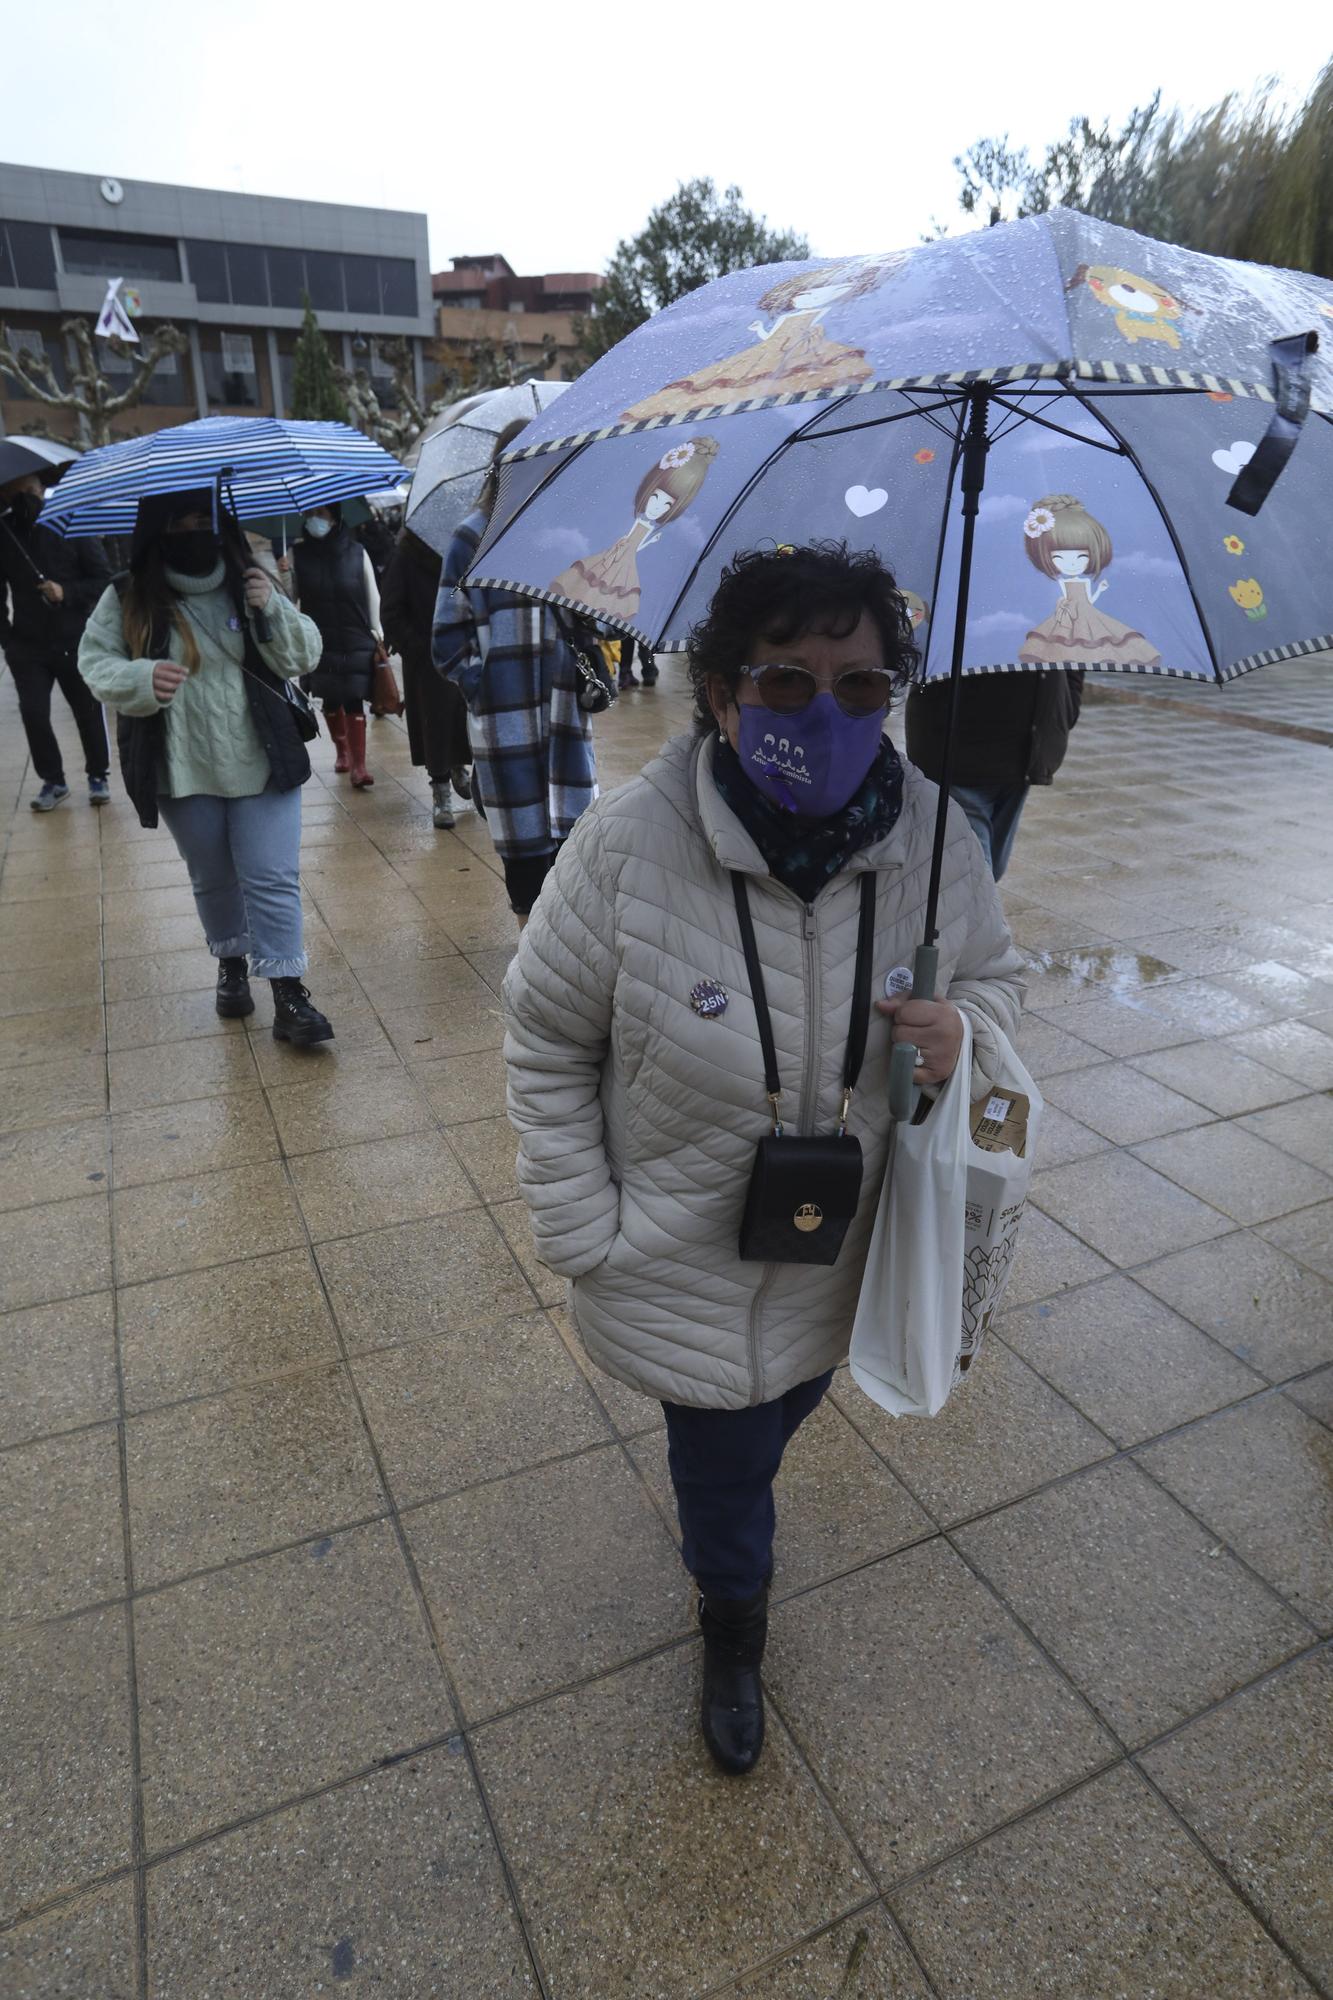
(779, 594)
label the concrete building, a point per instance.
(228, 269)
(483, 300)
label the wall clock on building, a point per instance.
(111, 190)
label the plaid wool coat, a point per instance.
(531, 742)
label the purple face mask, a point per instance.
(809, 763)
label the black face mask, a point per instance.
(24, 509)
(194, 551)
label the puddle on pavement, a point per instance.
(1274, 981)
(1105, 968)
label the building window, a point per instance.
(398, 287)
(247, 267)
(235, 369)
(105, 253)
(208, 272)
(361, 275)
(324, 280)
(33, 341)
(286, 278)
(249, 274)
(169, 385)
(27, 260)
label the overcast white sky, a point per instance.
(551, 141)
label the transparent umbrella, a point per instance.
(454, 458)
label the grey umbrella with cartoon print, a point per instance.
(1074, 446)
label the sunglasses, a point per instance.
(788, 690)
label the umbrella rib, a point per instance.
(1117, 450)
(1169, 525)
(891, 417)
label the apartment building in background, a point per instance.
(228, 269)
(483, 299)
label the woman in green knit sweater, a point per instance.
(194, 653)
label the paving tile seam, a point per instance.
(1229, 1881)
(1130, 1453)
(1136, 1148)
(409, 1562)
(138, 1830)
(774, 1961)
(1278, 1671)
(326, 1364)
(923, 1875)
(1286, 1388)
(1132, 1271)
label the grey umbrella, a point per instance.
(454, 458)
(45, 456)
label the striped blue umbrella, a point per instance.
(263, 466)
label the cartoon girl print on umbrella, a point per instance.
(1143, 311)
(794, 354)
(610, 581)
(1067, 544)
(917, 610)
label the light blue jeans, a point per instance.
(244, 858)
(994, 812)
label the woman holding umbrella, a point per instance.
(337, 588)
(195, 653)
(774, 861)
(533, 770)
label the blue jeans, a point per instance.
(244, 858)
(994, 812)
(723, 1464)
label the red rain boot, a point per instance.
(356, 750)
(337, 722)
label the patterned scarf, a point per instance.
(804, 855)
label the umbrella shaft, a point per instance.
(975, 448)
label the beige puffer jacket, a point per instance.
(638, 1119)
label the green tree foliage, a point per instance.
(1248, 178)
(697, 235)
(315, 392)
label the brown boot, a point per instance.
(337, 722)
(356, 751)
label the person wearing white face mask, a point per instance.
(336, 587)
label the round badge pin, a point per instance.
(897, 982)
(708, 999)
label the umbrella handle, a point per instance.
(903, 1092)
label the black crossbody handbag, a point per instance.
(804, 1192)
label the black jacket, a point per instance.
(1013, 729)
(141, 739)
(32, 630)
(331, 586)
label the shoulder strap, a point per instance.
(860, 1023)
(772, 1081)
(865, 956)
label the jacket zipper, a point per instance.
(813, 1010)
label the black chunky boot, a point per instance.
(235, 999)
(295, 1018)
(732, 1713)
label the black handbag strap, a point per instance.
(860, 1023)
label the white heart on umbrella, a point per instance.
(1236, 459)
(865, 500)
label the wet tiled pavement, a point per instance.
(346, 1643)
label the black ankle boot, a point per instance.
(295, 1018)
(235, 999)
(732, 1713)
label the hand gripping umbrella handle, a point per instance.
(903, 1092)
